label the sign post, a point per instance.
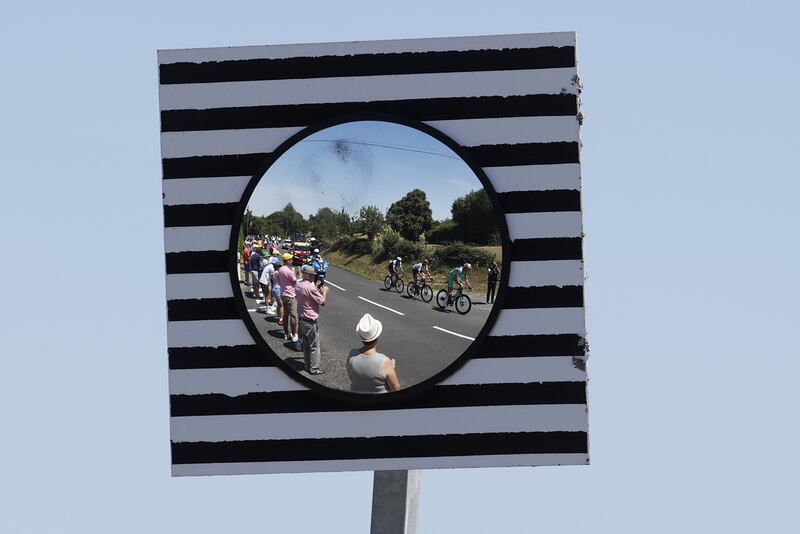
(395, 502)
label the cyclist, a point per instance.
(455, 277)
(396, 269)
(421, 270)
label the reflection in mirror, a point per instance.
(369, 256)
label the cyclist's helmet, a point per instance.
(399, 258)
(316, 251)
(467, 266)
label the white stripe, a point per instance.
(204, 190)
(467, 132)
(334, 285)
(369, 424)
(509, 130)
(381, 306)
(454, 334)
(535, 177)
(195, 238)
(439, 44)
(516, 371)
(320, 466)
(520, 225)
(547, 224)
(231, 381)
(222, 142)
(366, 88)
(539, 321)
(199, 286)
(218, 333)
(243, 380)
(545, 273)
(227, 332)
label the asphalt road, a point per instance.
(422, 338)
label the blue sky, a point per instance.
(690, 201)
(381, 162)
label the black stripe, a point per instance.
(484, 155)
(492, 347)
(208, 261)
(202, 309)
(200, 214)
(545, 57)
(532, 345)
(217, 357)
(543, 297)
(437, 397)
(540, 201)
(516, 298)
(511, 202)
(524, 154)
(429, 109)
(543, 249)
(209, 166)
(380, 447)
(549, 248)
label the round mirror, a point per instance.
(369, 256)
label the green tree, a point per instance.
(344, 223)
(411, 215)
(324, 225)
(474, 216)
(370, 221)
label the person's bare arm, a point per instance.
(324, 291)
(392, 382)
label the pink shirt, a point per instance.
(286, 279)
(309, 299)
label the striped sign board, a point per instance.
(512, 103)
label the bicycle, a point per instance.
(394, 281)
(461, 301)
(423, 290)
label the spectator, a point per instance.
(309, 298)
(246, 260)
(369, 370)
(287, 280)
(491, 282)
(255, 269)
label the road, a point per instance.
(421, 337)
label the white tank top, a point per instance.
(366, 376)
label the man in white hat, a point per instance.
(369, 370)
(309, 299)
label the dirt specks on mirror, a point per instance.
(368, 257)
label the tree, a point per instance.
(411, 215)
(474, 215)
(324, 224)
(370, 221)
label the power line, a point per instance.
(393, 147)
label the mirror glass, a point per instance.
(368, 257)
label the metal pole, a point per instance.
(395, 502)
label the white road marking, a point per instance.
(382, 306)
(334, 285)
(251, 311)
(453, 333)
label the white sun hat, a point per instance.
(369, 328)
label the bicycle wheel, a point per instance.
(411, 289)
(399, 285)
(463, 304)
(441, 299)
(426, 293)
(387, 282)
